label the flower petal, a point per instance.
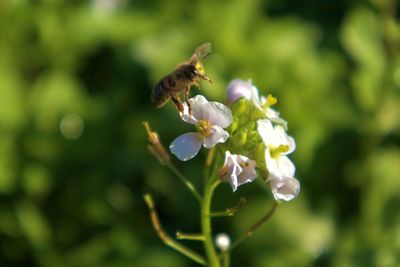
(238, 88)
(233, 179)
(230, 170)
(291, 144)
(280, 137)
(217, 135)
(265, 130)
(285, 188)
(186, 146)
(248, 173)
(187, 118)
(273, 116)
(281, 166)
(217, 114)
(196, 103)
(275, 136)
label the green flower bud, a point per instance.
(254, 136)
(241, 107)
(251, 125)
(234, 125)
(243, 120)
(256, 114)
(239, 139)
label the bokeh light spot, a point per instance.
(71, 126)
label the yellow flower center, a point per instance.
(221, 172)
(244, 164)
(204, 127)
(270, 101)
(277, 151)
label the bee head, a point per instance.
(199, 71)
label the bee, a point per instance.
(185, 76)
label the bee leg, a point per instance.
(187, 90)
(177, 103)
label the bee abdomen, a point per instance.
(159, 95)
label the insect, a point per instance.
(185, 76)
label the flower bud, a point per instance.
(156, 148)
(239, 88)
(241, 107)
(239, 138)
(222, 241)
(256, 114)
(284, 188)
(234, 125)
(252, 140)
(251, 125)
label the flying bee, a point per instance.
(185, 76)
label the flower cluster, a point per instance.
(253, 135)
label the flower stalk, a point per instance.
(230, 211)
(186, 236)
(155, 147)
(185, 181)
(226, 259)
(211, 253)
(166, 238)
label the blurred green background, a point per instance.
(75, 81)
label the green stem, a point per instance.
(225, 259)
(230, 211)
(226, 213)
(209, 162)
(212, 256)
(166, 238)
(185, 181)
(196, 237)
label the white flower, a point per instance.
(210, 119)
(237, 170)
(278, 144)
(284, 188)
(281, 170)
(239, 88)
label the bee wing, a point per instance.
(201, 52)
